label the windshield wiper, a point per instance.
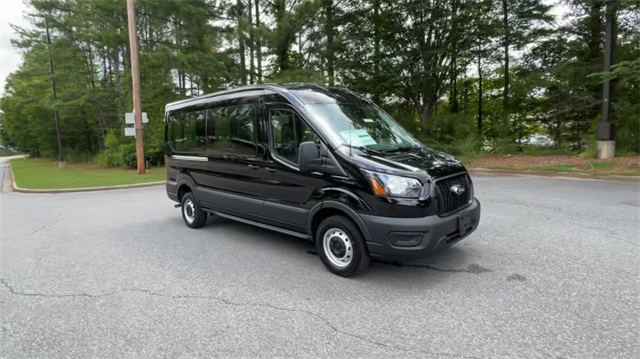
(363, 149)
(401, 149)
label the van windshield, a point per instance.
(362, 125)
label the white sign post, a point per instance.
(130, 120)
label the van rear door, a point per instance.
(236, 146)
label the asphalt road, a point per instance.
(552, 272)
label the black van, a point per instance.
(319, 163)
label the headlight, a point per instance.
(394, 186)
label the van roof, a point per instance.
(300, 93)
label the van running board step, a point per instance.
(261, 225)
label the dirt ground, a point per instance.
(619, 165)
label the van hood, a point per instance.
(436, 164)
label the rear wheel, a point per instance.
(193, 216)
(341, 246)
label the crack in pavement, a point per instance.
(472, 268)
(607, 231)
(24, 294)
(327, 322)
(37, 230)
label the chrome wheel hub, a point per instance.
(337, 247)
(189, 211)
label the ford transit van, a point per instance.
(319, 163)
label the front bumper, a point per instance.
(405, 238)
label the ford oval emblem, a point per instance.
(457, 189)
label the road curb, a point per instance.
(15, 187)
(6, 185)
(553, 174)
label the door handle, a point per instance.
(254, 167)
(270, 170)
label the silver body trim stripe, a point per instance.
(190, 158)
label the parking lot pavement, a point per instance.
(552, 272)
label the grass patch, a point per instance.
(45, 174)
(599, 166)
(545, 151)
(554, 168)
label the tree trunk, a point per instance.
(455, 106)
(243, 64)
(595, 29)
(252, 66)
(287, 39)
(613, 8)
(329, 32)
(595, 52)
(505, 101)
(376, 48)
(480, 95)
(258, 48)
(424, 113)
(465, 95)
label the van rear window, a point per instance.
(229, 129)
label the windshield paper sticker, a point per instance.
(358, 138)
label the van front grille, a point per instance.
(453, 193)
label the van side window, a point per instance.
(198, 125)
(289, 131)
(174, 130)
(231, 129)
(187, 131)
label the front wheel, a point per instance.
(341, 246)
(193, 216)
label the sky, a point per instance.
(13, 13)
(10, 58)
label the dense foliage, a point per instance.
(460, 74)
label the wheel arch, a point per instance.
(327, 209)
(185, 183)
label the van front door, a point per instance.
(293, 193)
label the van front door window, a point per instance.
(289, 131)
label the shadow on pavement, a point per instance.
(451, 261)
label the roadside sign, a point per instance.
(129, 131)
(129, 119)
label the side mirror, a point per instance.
(309, 157)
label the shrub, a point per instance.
(121, 151)
(109, 158)
(128, 154)
(78, 157)
(469, 145)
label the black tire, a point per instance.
(345, 252)
(192, 214)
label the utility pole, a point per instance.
(135, 82)
(606, 130)
(61, 162)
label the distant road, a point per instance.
(552, 272)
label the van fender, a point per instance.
(353, 215)
(184, 178)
